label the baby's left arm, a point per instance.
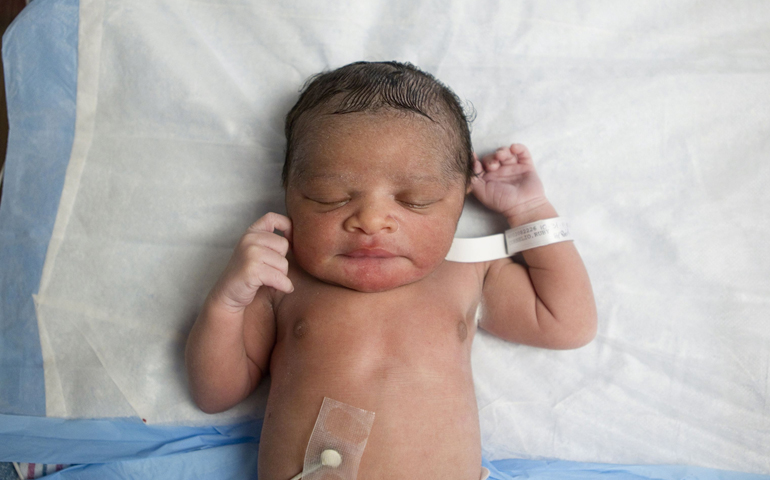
(549, 303)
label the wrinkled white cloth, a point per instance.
(648, 123)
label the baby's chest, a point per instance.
(408, 318)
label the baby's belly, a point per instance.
(420, 388)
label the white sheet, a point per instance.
(648, 123)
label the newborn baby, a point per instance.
(356, 302)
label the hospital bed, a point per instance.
(146, 135)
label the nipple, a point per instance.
(300, 328)
(462, 330)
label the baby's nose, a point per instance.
(372, 217)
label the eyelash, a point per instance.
(330, 204)
(416, 206)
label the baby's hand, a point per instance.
(259, 260)
(506, 181)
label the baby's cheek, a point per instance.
(432, 244)
(309, 244)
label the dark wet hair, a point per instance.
(372, 86)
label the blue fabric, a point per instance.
(230, 462)
(55, 440)
(128, 449)
(562, 470)
(40, 65)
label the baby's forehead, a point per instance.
(365, 138)
(335, 177)
(333, 127)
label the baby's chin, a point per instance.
(370, 285)
(370, 277)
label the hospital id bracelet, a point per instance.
(525, 237)
(537, 234)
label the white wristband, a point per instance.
(493, 247)
(537, 234)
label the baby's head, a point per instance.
(377, 167)
(380, 88)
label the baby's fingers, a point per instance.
(276, 243)
(505, 156)
(521, 153)
(492, 162)
(271, 222)
(267, 267)
(478, 168)
(272, 277)
(261, 233)
(507, 171)
(257, 255)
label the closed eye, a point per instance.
(330, 203)
(417, 206)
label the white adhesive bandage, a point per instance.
(337, 442)
(493, 247)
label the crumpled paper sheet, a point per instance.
(648, 123)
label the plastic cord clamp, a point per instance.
(501, 245)
(337, 442)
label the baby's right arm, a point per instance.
(228, 350)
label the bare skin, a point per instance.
(361, 306)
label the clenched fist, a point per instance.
(259, 260)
